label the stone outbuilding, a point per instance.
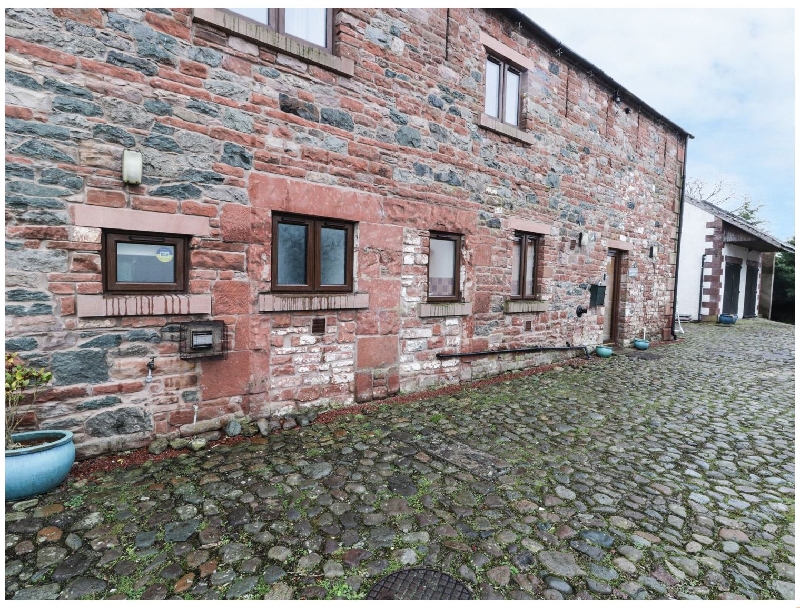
(212, 215)
(726, 264)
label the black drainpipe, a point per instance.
(700, 297)
(527, 349)
(678, 252)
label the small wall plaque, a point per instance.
(203, 340)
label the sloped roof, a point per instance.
(554, 45)
(769, 242)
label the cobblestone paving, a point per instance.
(665, 475)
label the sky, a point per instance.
(727, 76)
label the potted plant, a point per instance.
(36, 461)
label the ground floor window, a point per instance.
(444, 267)
(311, 254)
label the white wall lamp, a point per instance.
(653, 251)
(132, 167)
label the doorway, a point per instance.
(750, 295)
(730, 297)
(612, 292)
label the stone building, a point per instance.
(328, 201)
(726, 264)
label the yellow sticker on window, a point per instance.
(164, 254)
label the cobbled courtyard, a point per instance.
(667, 473)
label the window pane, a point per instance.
(256, 14)
(511, 115)
(492, 88)
(292, 241)
(333, 256)
(141, 263)
(441, 280)
(530, 265)
(307, 23)
(515, 267)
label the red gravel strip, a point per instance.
(91, 468)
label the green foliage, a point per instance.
(21, 380)
(75, 501)
(343, 590)
(783, 287)
(749, 211)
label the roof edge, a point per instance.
(566, 53)
(735, 220)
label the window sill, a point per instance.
(445, 309)
(491, 123)
(518, 306)
(269, 302)
(143, 305)
(262, 34)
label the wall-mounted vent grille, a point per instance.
(318, 326)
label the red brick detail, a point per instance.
(89, 16)
(42, 52)
(226, 378)
(18, 112)
(377, 351)
(159, 205)
(195, 208)
(363, 386)
(105, 198)
(235, 223)
(230, 298)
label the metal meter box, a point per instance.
(204, 340)
(597, 295)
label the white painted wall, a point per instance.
(693, 246)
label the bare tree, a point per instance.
(723, 195)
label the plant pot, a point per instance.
(38, 468)
(727, 319)
(641, 344)
(603, 351)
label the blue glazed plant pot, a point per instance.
(38, 468)
(641, 344)
(727, 319)
(603, 351)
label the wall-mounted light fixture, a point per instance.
(653, 251)
(131, 167)
(581, 238)
(617, 98)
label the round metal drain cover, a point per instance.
(419, 584)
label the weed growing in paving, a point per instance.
(340, 589)
(75, 501)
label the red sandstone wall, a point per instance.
(397, 148)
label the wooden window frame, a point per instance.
(528, 239)
(501, 108)
(276, 20)
(109, 241)
(313, 254)
(457, 239)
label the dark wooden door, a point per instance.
(730, 298)
(750, 295)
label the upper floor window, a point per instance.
(314, 25)
(502, 91)
(311, 254)
(148, 262)
(444, 267)
(523, 266)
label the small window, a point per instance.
(311, 254)
(444, 267)
(523, 266)
(502, 91)
(144, 262)
(314, 25)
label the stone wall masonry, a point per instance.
(234, 126)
